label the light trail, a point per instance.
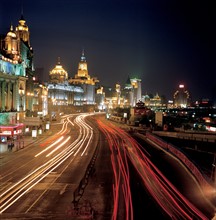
(21, 187)
(121, 172)
(167, 196)
(51, 145)
(63, 143)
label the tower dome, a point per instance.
(58, 74)
(22, 31)
(11, 33)
(11, 46)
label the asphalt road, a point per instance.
(67, 191)
(39, 181)
(144, 205)
(180, 177)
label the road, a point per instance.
(173, 191)
(177, 175)
(39, 181)
(90, 168)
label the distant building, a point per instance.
(132, 91)
(113, 98)
(60, 92)
(100, 99)
(124, 97)
(154, 102)
(85, 81)
(137, 113)
(181, 97)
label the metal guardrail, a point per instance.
(172, 149)
(186, 135)
(78, 193)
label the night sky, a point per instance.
(164, 42)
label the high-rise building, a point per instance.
(132, 91)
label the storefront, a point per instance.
(11, 136)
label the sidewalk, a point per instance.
(26, 141)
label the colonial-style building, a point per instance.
(154, 102)
(16, 81)
(84, 80)
(125, 97)
(62, 96)
(16, 68)
(113, 98)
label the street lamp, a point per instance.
(21, 93)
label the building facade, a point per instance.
(62, 96)
(85, 81)
(132, 92)
(16, 68)
(125, 97)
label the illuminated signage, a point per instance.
(6, 132)
(34, 133)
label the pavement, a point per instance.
(26, 141)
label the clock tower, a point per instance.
(82, 68)
(82, 76)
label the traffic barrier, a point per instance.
(171, 148)
(78, 193)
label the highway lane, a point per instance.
(179, 176)
(45, 172)
(176, 203)
(201, 153)
(56, 169)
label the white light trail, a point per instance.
(54, 143)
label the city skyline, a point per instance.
(163, 44)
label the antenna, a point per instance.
(22, 10)
(58, 60)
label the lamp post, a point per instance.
(21, 93)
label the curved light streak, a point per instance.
(58, 147)
(51, 145)
(167, 196)
(21, 187)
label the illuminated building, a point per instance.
(123, 98)
(16, 68)
(58, 75)
(16, 78)
(83, 79)
(113, 98)
(132, 91)
(100, 98)
(181, 97)
(62, 95)
(154, 102)
(137, 112)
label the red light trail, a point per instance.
(122, 147)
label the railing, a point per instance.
(207, 137)
(172, 149)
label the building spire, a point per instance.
(83, 56)
(11, 27)
(58, 62)
(22, 17)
